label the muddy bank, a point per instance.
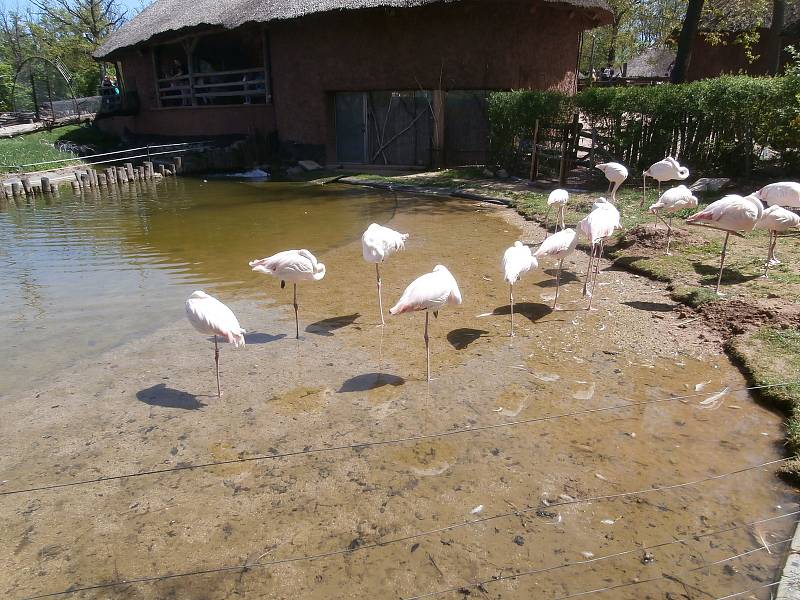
(146, 405)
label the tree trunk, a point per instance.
(612, 48)
(688, 34)
(774, 43)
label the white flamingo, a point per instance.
(672, 201)
(429, 292)
(516, 261)
(776, 219)
(731, 214)
(666, 169)
(557, 197)
(597, 226)
(377, 244)
(292, 266)
(783, 193)
(616, 174)
(558, 246)
(209, 316)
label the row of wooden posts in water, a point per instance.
(92, 178)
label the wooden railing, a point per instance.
(200, 89)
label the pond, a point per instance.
(582, 454)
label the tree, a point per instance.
(775, 40)
(94, 19)
(683, 57)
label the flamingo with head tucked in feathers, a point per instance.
(558, 246)
(557, 197)
(377, 244)
(671, 201)
(666, 169)
(776, 219)
(516, 260)
(731, 214)
(783, 193)
(209, 316)
(429, 292)
(292, 266)
(597, 226)
(616, 174)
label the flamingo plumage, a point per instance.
(616, 174)
(672, 201)
(558, 246)
(517, 260)
(782, 193)
(377, 244)
(730, 214)
(209, 316)
(597, 226)
(776, 219)
(429, 292)
(666, 169)
(293, 266)
(559, 198)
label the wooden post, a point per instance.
(46, 185)
(85, 182)
(562, 167)
(16, 188)
(439, 102)
(178, 165)
(53, 188)
(129, 170)
(148, 169)
(160, 168)
(534, 152)
(111, 176)
(26, 185)
(77, 177)
(37, 190)
(101, 180)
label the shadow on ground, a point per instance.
(262, 338)
(461, 338)
(651, 306)
(531, 310)
(161, 395)
(326, 327)
(370, 381)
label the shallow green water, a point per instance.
(83, 273)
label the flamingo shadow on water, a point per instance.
(370, 381)
(262, 338)
(161, 395)
(566, 277)
(326, 327)
(464, 336)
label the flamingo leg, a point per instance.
(769, 254)
(644, 190)
(562, 211)
(722, 260)
(614, 191)
(216, 363)
(596, 270)
(296, 319)
(558, 282)
(546, 221)
(511, 302)
(588, 271)
(669, 235)
(380, 298)
(427, 347)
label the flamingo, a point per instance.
(209, 316)
(429, 292)
(776, 219)
(783, 193)
(558, 197)
(616, 175)
(559, 246)
(293, 266)
(666, 169)
(377, 244)
(730, 214)
(597, 226)
(671, 201)
(516, 261)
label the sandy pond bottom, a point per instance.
(385, 511)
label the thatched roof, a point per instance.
(165, 16)
(653, 62)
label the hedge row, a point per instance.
(719, 126)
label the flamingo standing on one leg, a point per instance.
(597, 226)
(516, 261)
(293, 266)
(377, 244)
(731, 214)
(558, 246)
(666, 169)
(559, 198)
(616, 175)
(429, 292)
(783, 193)
(776, 219)
(671, 201)
(209, 316)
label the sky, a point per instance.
(133, 6)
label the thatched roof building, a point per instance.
(390, 81)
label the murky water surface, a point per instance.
(102, 377)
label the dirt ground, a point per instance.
(391, 520)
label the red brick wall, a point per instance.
(728, 58)
(477, 44)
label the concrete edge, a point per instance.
(788, 589)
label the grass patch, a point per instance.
(40, 146)
(693, 296)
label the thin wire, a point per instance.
(605, 557)
(48, 162)
(755, 589)
(370, 546)
(362, 445)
